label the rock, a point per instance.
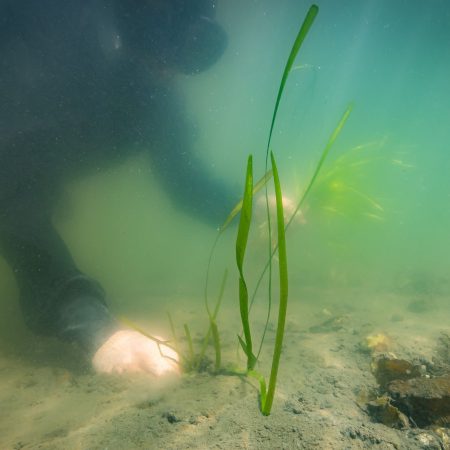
(425, 400)
(376, 343)
(382, 411)
(387, 369)
(171, 417)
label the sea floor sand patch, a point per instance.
(326, 380)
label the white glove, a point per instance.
(128, 351)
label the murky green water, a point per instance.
(378, 217)
(372, 235)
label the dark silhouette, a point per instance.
(84, 84)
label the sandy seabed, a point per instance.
(48, 402)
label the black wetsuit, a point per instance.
(83, 85)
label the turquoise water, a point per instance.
(368, 255)
(381, 221)
(392, 60)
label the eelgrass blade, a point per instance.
(213, 324)
(262, 386)
(245, 218)
(217, 347)
(187, 332)
(257, 187)
(304, 29)
(221, 291)
(283, 275)
(317, 170)
(176, 345)
(241, 245)
(308, 21)
(322, 159)
(158, 341)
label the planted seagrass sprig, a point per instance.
(241, 245)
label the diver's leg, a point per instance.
(55, 297)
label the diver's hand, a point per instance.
(128, 351)
(289, 209)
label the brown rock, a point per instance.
(425, 400)
(382, 411)
(387, 369)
